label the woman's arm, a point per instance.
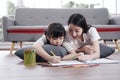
(95, 55)
(87, 49)
(41, 52)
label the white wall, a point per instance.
(3, 7)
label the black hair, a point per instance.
(79, 20)
(55, 30)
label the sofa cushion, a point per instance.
(41, 29)
(116, 20)
(108, 32)
(27, 29)
(107, 28)
(41, 16)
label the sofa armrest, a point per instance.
(6, 22)
(115, 20)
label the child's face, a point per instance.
(56, 41)
(75, 31)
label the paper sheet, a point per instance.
(102, 61)
(96, 61)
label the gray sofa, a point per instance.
(29, 23)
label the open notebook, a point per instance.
(96, 61)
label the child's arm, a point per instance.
(72, 56)
(69, 57)
(71, 51)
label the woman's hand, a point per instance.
(88, 49)
(91, 52)
(55, 59)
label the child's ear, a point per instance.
(47, 37)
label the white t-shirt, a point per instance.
(89, 37)
(42, 40)
(70, 43)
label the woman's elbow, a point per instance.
(36, 46)
(97, 55)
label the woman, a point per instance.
(85, 38)
(81, 42)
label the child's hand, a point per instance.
(77, 55)
(55, 59)
(81, 54)
(81, 57)
(84, 57)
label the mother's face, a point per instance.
(75, 31)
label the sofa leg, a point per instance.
(117, 45)
(13, 44)
(104, 41)
(20, 44)
(12, 47)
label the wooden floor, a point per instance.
(12, 68)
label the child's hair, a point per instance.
(79, 20)
(55, 30)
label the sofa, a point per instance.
(29, 24)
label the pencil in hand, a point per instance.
(74, 57)
(52, 53)
(56, 59)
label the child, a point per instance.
(51, 42)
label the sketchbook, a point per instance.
(95, 61)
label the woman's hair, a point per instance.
(55, 30)
(79, 20)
